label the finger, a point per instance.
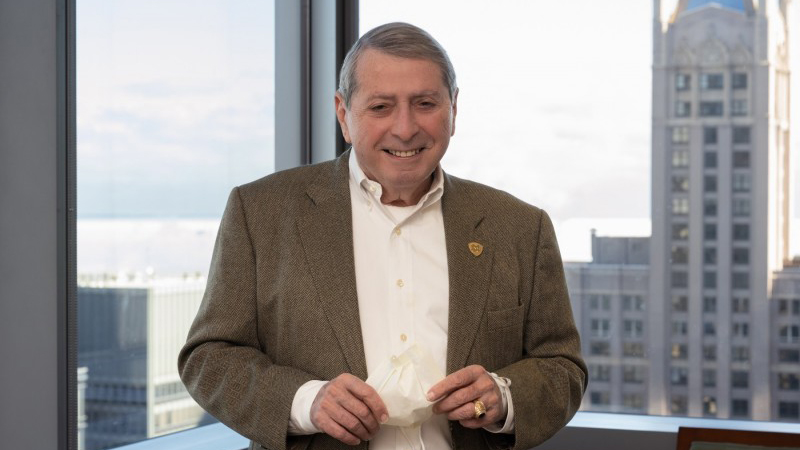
(455, 380)
(351, 423)
(369, 397)
(333, 429)
(361, 411)
(464, 412)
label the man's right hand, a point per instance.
(348, 409)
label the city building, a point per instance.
(128, 357)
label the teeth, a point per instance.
(404, 154)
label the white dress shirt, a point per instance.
(403, 298)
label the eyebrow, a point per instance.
(384, 96)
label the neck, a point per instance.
(406, 198)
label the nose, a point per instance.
(405, 126)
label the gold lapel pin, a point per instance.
(475, 248)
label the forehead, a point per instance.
(379, 72)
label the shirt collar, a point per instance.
(372, 189)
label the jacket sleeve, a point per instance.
(547, 384)
(222, 363)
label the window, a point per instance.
(709, 329)
(789, 410)
(741, 329)
(740, 354)
(680, 255)
(789, 355)
(741, 182)
(175, 106)
(710, 352)
(683, 109)
(711, 109)
(709, 405)
(741, 232)
(709, 135)
(679, 279)
(633, 374)
(680, 183)
(740, 408)
(679, 376)
(709, 183)
(632, 328)
(740, 379)
(680, 231)
(679, 405)
(600, 398)
(739, 108)
(709, 280)
(633, 349)
(600, 327)
(680, 206)
(739, 80)
(789, 334)
(680, 135)
(680, 158)
(680, 303)
(741, 207)
(709, 304)
(788, 382)
(741, 255)
(710, 231)
(599, 372)
(711, 81)
(600, 302)
(633, 303)
(783, 307)
(740, 280)
(633, 401)
(679, 328)
(710, 207)
(710, 255)
(741, 159)
(709, 378)
(796, 307)
(710, 160)
(683, 81)
(741, 305)
(599, 348)
(679, 351)
(741, 135)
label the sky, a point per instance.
(175, 104)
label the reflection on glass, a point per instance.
(175, 107)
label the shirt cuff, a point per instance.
(300, 417)
(508, 405)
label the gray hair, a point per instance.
(397, 39)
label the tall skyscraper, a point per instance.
(720, 199)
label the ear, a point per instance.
(341, 115)
(454, 110)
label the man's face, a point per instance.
(400, 121)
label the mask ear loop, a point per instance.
(418, 430)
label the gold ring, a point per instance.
(480, 409)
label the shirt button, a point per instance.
(400, 283)
(372, 188)
(403, 337)
(398, 231)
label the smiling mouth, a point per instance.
(403, 154)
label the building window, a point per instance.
(599, 348)
(788, 355)
(680, 135)
(789, 410)
(680, 303)
(680, 231)
(783, 307)
(741, 255)
(710, 207)
(709, 405)
(741, 232)
(709, 378)
(633, 374)
(710, 231)
(709, 304)
(633, 401)
(683, 81)
(633, 349)
(710, 352)
(679, 328)
(740, 408)
(598, 302)
(741, 207)
(788, 382)
(680, 183)
(739, 108)
(710, 183)
(741, 305)
(680, 206)
(789, 334)
(796, 307)
(711, 81)
(739, 80)
(711, 109)
(741, 135)
(740, 354)
(633, 303)
(679, 376)
(679, 404)
(709, 135)
(710, 160)
(680, 158)
(683, 109)
(600, 398)
(741, 329)
(600, 327)
(709, 329)
(632, 328)
(741, 182)
(599, 372)
(740, 379)
(680, 255)
(710, 280)
(740, 280)
(679, 351)
(679, 279)
(741, 159)
(710, 255)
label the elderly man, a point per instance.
(322, 273)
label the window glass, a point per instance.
(175, 107)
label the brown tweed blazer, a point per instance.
(281, 307)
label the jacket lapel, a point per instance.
(468, 272)
(326, 232)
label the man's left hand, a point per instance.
(458, 392)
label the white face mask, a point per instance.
(402, 384)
